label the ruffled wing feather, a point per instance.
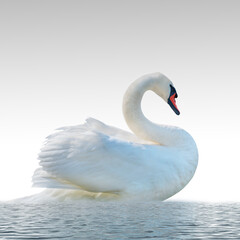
(98, 158)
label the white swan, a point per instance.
(156, 162)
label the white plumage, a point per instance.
(97, 158)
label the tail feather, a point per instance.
(42, 179)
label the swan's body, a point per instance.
(157, 162)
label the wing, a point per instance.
(95, 125)
(98, 158)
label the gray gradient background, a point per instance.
(63, 61)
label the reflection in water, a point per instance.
(89, 219)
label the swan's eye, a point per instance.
(171, 100)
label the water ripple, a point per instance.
(119, 220)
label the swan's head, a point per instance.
(163, 87)
(156, 82)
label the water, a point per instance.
(119, 220)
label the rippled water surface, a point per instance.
(119, 220)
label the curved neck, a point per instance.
(141, 126)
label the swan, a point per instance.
(156, 162)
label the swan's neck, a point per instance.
(145, 129)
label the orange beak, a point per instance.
(171, 100)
